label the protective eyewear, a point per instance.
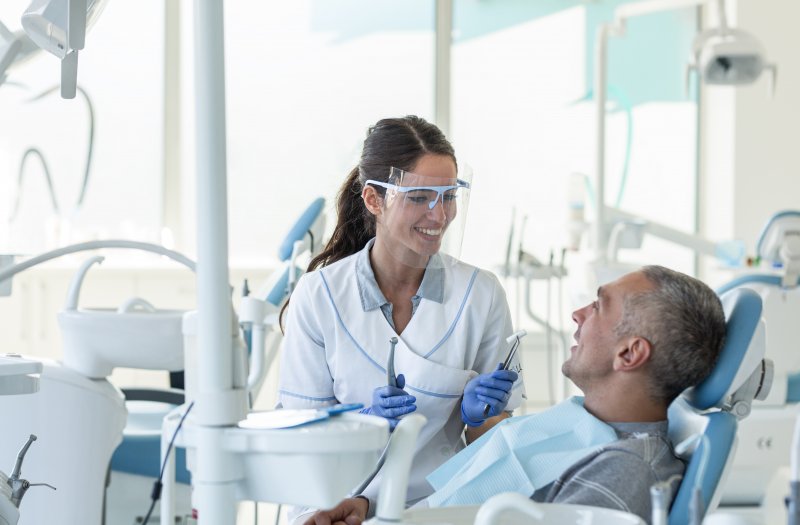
(428, 195)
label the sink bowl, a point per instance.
(97, 341)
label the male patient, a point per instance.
(649, 335)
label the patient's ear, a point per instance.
(372, 200)
(633, 355)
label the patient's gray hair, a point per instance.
(682, 318)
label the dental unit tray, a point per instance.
(313, 465)
(288, 418)
(18, 375)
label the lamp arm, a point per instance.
(693, 242)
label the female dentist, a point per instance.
(390, 271)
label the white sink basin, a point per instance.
(135, 335)
(97, 341)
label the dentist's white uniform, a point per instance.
(335, 352)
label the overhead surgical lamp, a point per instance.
(59, 27)
(728, 56)
(722, 55)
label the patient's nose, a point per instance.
(579, 315)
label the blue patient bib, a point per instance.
(520, 454)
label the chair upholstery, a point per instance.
(705, 409)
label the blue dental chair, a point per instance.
(708, 414)
(139, 452)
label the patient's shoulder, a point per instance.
(619, 475)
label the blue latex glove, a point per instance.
(391, 402)
(493, 389)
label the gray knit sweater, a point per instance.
(619, 475)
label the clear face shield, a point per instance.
(423, 215)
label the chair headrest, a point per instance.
(751, 279)
(771, 236)
(279, 289)
(738, 357)
(303, 225)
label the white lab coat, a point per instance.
(334, 352)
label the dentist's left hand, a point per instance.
(487, 389)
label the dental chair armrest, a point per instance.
(173, 396)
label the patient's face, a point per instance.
(592, 357)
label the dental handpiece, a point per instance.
(515, 337)
(391, 378)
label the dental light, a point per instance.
(722, 55)
(59, 27)
(728, 56)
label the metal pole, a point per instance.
(171, 203)
(218, 404)
(600, 74)
(444, 42)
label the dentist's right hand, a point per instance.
(391, 402)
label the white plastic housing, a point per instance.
(97, 341)
(47, 23)
(314, 465)
(78, 422)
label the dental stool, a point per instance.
(139, 453)
(706, 416)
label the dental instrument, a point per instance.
(17, 376)
(391, 378)
(13, 487)
(660, 496)
(515, 337)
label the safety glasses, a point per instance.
(425, 195)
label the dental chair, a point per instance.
(703, 421)
(137, 459)
(765, 436)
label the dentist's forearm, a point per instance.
(473, 433)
